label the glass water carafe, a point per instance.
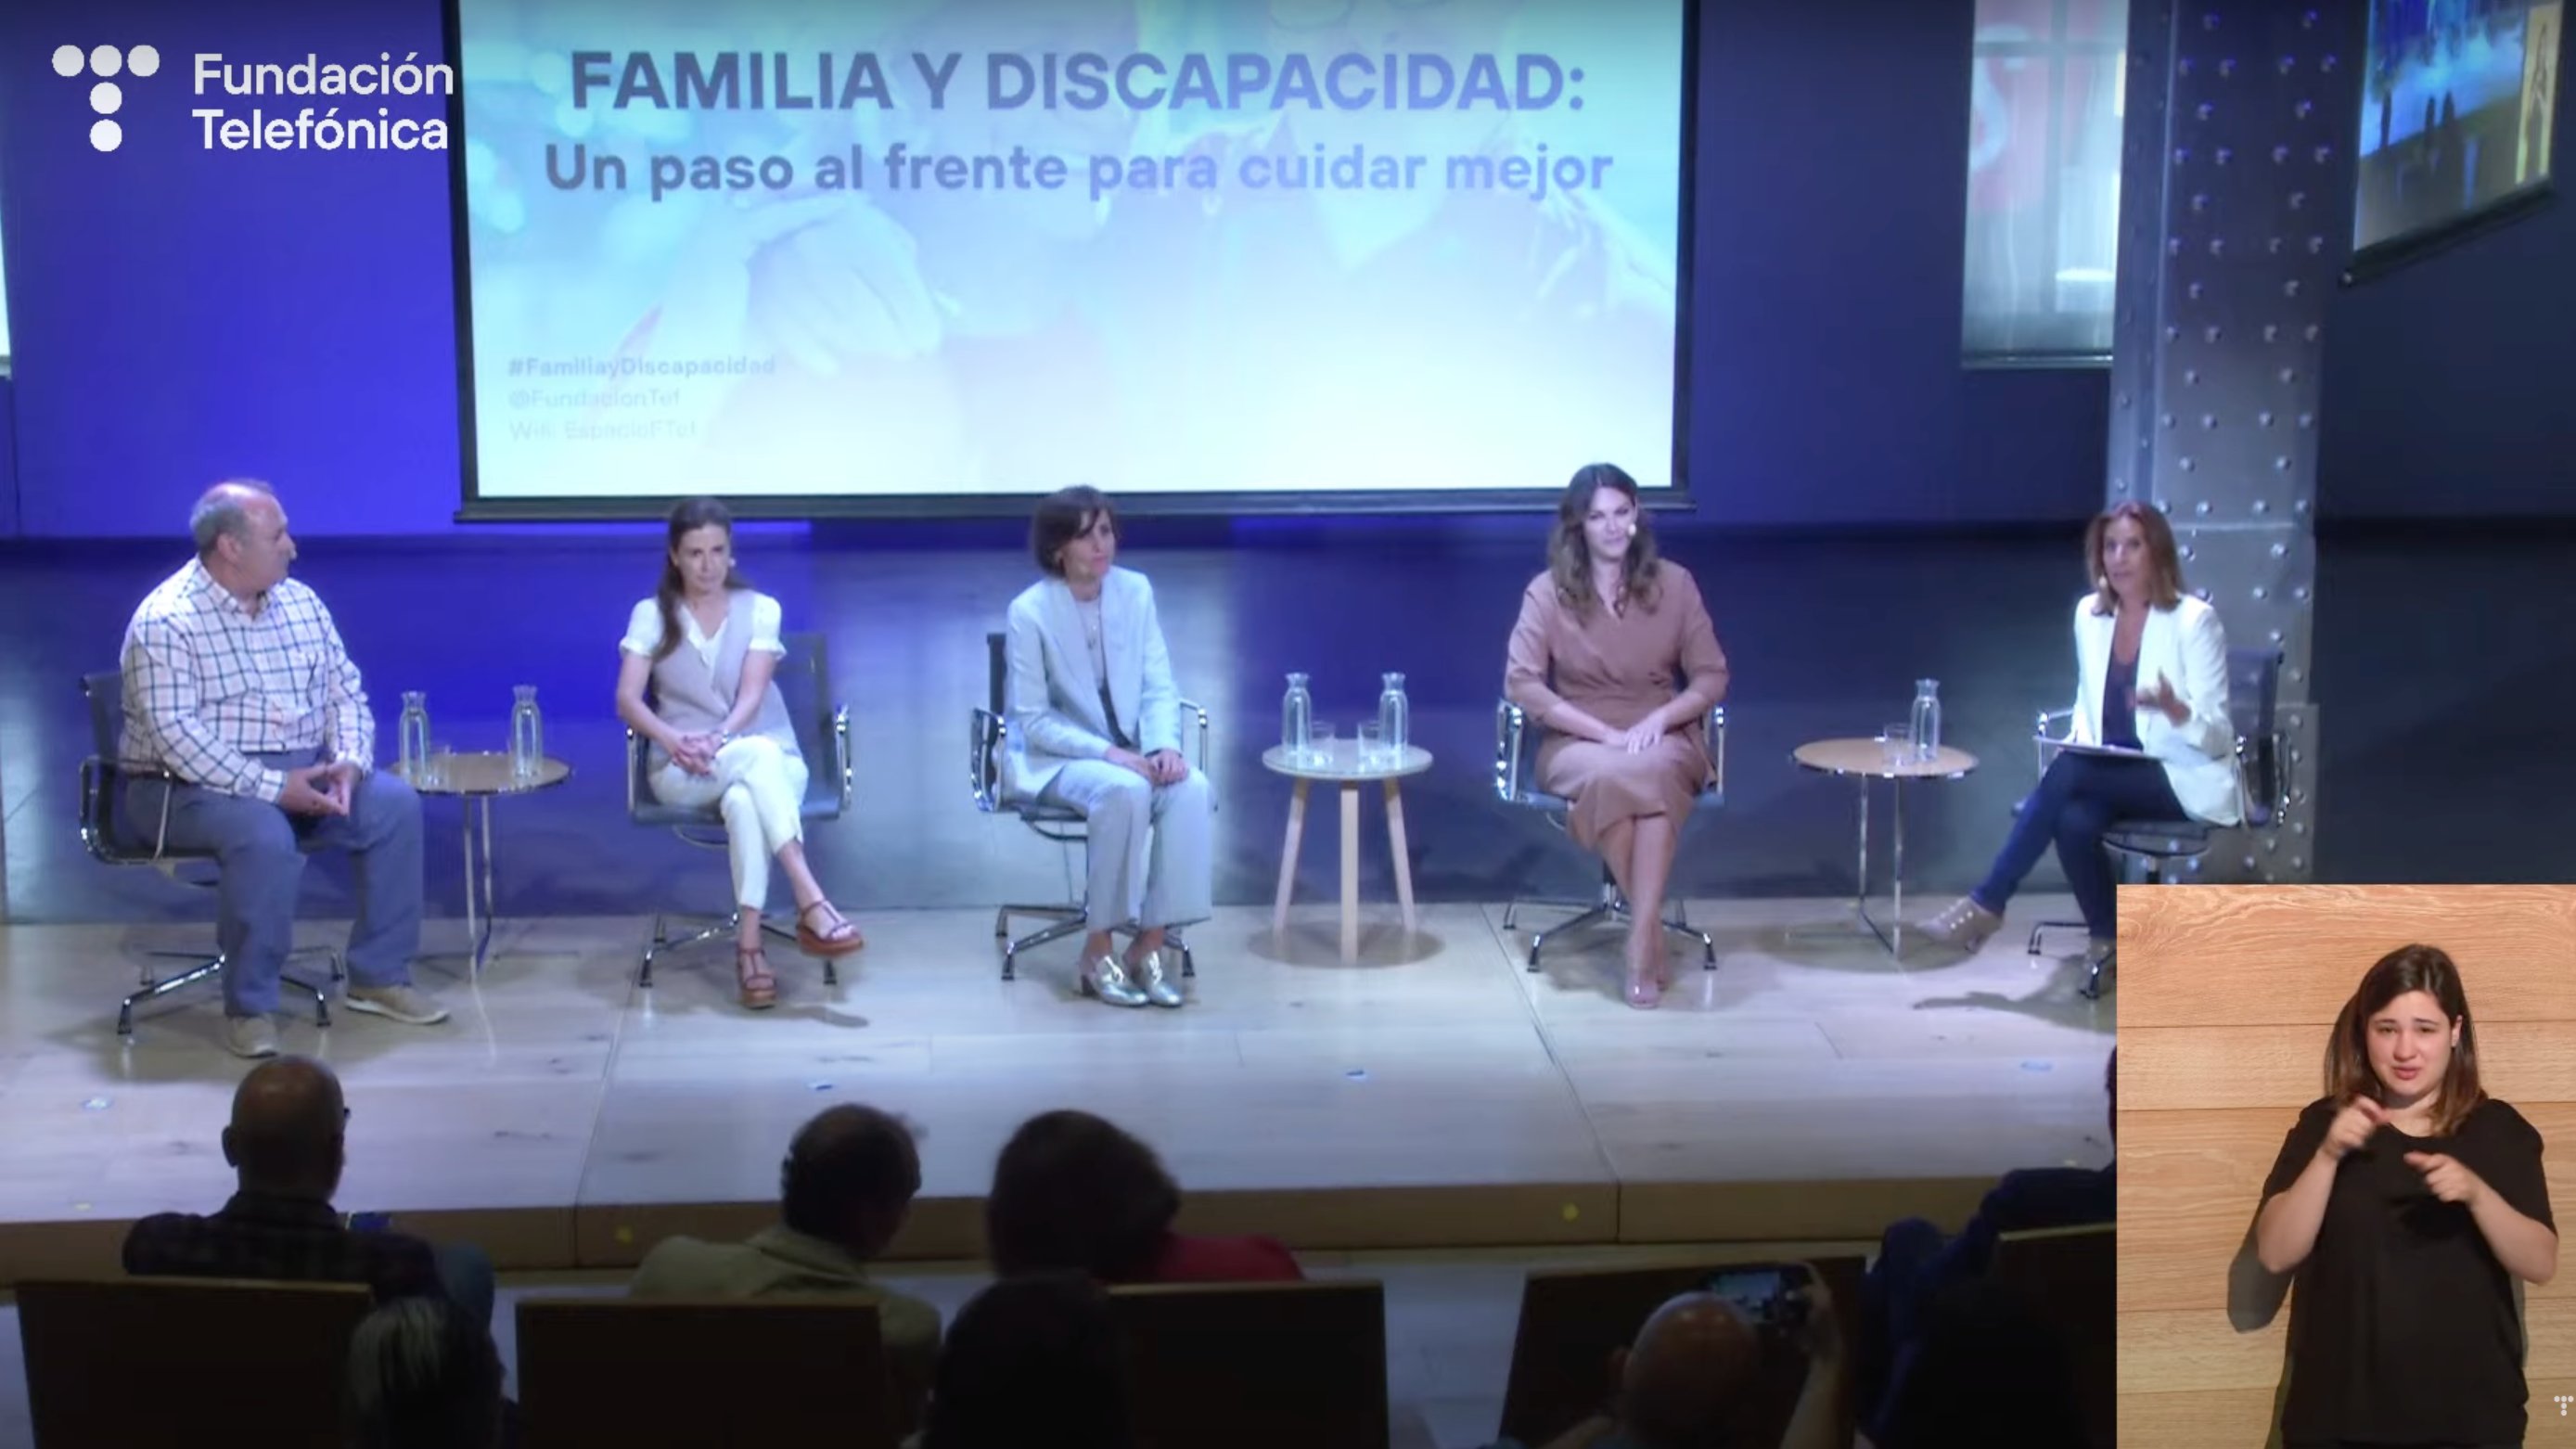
(1394, 718)
(412, 748)
(1926, 723)
(527, 735)
(1297, 719)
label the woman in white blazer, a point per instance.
(1095, 726)
(2151, 676)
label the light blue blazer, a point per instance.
(1051, 695)
(2186, 646)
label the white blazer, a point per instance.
(2187, 646)
(1052, 697)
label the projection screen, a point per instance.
(913, 257)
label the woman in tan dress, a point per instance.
(1615, 656)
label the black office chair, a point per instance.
(1515, 783)
(2262, 758)
(988, 744)
(822, 725)
(113, 840)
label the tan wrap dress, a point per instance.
(1618, 668)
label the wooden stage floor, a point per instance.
(1433, 1095)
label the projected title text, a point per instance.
(1234, 83)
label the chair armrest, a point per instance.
(99, 779)
(1717, 746)
(984, 759)
(634, 772)
(1511, 732)
(1193, 707)
(841, 760)
(2051, 727)
(97, 807)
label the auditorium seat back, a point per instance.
(1255, 1366)
(667, 1373)
(145, 1360)
(1573, 1320)
(2068, 1277)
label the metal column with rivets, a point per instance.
(2235, 221)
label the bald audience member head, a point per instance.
(1685, 1383)
(240, 531)
(286, 1137)
(849, 1178)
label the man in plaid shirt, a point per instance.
(288, 1142)
(237, 687)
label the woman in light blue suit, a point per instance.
(1095, 726)
(2151, 677)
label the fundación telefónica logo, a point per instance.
(106, 62)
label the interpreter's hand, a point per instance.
(1130, 760)
(2164, 699)
(308, 792)
(2447, 1178)
(1644, 736)
(2352, 1127)
(1166, 767)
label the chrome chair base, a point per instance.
(716, 926)
(1613, 907)
(2091, 990)
(1067, 921)
(202, 966)
(2155, 865)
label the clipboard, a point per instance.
(2115, 752)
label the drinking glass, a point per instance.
(1896, 745)
(1320, 750)
(1372, 753)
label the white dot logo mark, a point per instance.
(106, 98)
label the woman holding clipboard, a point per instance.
(2152, 739)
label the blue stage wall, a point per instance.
(182, 314)
(2447, 382)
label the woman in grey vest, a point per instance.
(1095, 725)
(704, 648)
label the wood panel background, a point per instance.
(2227, 996)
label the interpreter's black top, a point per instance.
(2402, 1329)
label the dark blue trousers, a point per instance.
(2079, 800)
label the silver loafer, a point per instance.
(1107, 980)
(1159, 987)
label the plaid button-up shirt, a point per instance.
(280, 1240)
(208, 683)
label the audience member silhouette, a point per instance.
(1988, 1373)
(1032, 1363)
(1072, 1191)
(287, 1143)
(1915, 1261)
(1694, 1379)
(845, 1190)
(424, 1375)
